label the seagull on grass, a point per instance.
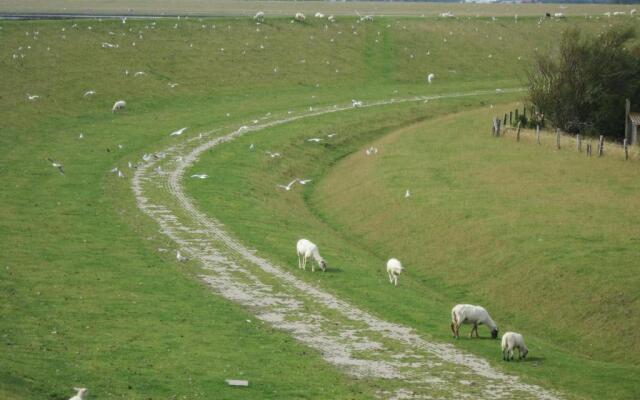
(288, 187)
(407, 194)
(89, 93)
(178, 132)
(200, 176)
(180, 257)
(430, 77)
(32, 97)
(56, 164)
(304, 181)
(317, 140)
(272, 155)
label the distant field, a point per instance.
(91, 292)
(283, 8)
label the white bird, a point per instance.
(124, 20)
(147, 157)
(251, 147)
(272, 155)
(114, 170)
(180, 257)
(288, 187)
(139, 73)
(89, 93)
(331, 135)
(356, 103)
(32, 96)
(81, 136)
(57, 164)
(200, 176)
(130, 165)
(304, 181)
(120, 174)
(172, 85)
(407, 194)
(317, 140)
(178, 132)
(80, 395)
(430, 77)
(106, 45)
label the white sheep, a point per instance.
(300, 17)
(306, 249)
(511, 341)
(474, 315)
(80, 395)
(632, 12)
(259, 16)
(119, 105)
(394, 269)
(366, 18)
(319, 15)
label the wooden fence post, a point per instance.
(498, 128)
(601, 146)
(626, 149)
(524, 111)
(505, 119)
(510, 117)
(578, 143)
(538, 133)
(518, 133)
(558, 138)
(589, 149)
(516, 114)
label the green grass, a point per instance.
(80, 260)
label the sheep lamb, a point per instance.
(119, 105)
(510, 342)
(306, 249)
(471, 315)
(394, 269)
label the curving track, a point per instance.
(353, 340)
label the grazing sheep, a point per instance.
(259, 16)
(319, 15)
(300, 17)
(394, 269)
(307, 249)
(511, 341)
(80, 395)
(632, 12)
(366, 18)
(331, 18)
(469, 314)
(119, 105)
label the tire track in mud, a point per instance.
(355, 341)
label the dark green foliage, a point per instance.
(582, 89)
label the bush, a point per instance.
(583, 88)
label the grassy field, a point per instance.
(87, 297)
(289, 8)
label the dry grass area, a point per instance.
(281, 8)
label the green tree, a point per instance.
(582, 88)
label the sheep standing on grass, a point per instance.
(394, 269)
(511, 341)
(80, 395)
(259, 16)
(307, 249)
(473, 315)
(300, 17)
(119, 105)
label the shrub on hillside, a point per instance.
(582, 88)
